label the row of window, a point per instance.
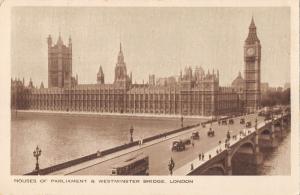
(126, 110)
(121, 97)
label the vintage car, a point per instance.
(224, 122)
(178, 145)
(231, 121)
(195, 135)
(261, 113)
(267, 117)
(211, 132)
(248, 124)
(242, 121)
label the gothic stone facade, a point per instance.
(194, 93)
(136, 99)
(60, 64)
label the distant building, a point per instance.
(152, 79)
(238, 83)
(287, 86)
(279, 89)
(264, 87)
(272, 89)
(275, 89)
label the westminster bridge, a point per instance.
(245, 147)
(220, 153)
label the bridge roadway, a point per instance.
(159, 151)
(186, 169)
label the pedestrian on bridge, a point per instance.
(228, 135)
(202, 156)
(192, 166)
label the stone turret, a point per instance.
(42, 85)
(59, 63)
(30, 85)
(100, 76)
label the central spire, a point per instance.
(120, 56)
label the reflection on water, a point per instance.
(276, 161)
(67, 137)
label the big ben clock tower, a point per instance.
(252, 56)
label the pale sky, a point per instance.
(159, 41)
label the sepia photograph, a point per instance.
(150, 91)
(138, 94)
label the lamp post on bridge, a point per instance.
(131, 132)
(171, 166)
(272, 117)
(212, 118)
(37, 153)
(282, 119)
(255, 123)
(256, 131)
(281, 126)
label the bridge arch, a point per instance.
(244, 145)
(215, 169)
(243, 158)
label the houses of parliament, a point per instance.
(192, 92)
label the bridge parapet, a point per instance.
(273, 131)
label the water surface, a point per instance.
(65, 137)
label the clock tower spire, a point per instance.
(252, 57)
(252, 36)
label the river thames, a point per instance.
(65, 137)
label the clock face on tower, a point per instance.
(250, 51)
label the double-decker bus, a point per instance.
(138, 165)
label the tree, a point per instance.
(272, 98)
